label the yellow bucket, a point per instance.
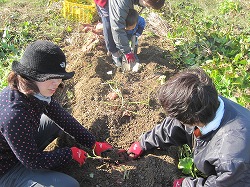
(82, 11)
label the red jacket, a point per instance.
(101, 3)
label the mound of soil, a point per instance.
(119, 121)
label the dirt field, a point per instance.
(121, 121)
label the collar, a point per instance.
(197, 132)
(215, 123)
(42, 98)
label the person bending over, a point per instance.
(216, 129)
(113, 14)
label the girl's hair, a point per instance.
(190, 96)
(17, 82)
(155, 4)
(26, 86)
(132, 18)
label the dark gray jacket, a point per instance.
(222, 155)
(118, 11)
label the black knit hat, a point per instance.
(41, 61)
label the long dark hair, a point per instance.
(190, 96)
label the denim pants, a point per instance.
(20, 176)
(109, 41)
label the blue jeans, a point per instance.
(20, 176)
(109, 41)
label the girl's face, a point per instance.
(48, 88)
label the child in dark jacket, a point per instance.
(216, 129)
(30, 119)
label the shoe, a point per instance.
(117, 61)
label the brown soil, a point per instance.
(121, 121)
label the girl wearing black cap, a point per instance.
(30, 119)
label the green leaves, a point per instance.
(231, 77)
(228, 6)
(186, 165)
(217, 42)
(186, 162)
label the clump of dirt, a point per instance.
(119, 121)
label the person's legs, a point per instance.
(109, 41)
(19, 176)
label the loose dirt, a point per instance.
(118, 121)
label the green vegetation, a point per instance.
(214, 35)
(17, 30)
(186, 162)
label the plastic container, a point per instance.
(83, 11)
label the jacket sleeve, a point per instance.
(70, 124)
(141, 26)
(118, 11)
(19, 133)
(169, 132)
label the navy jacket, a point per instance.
(19, 121)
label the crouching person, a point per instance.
(30, 119)
(217, 129)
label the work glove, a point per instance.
(178, 182)
(130, 57)
(101, 147)
(79, 155)
(135, 150)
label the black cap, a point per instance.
(41, 61)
